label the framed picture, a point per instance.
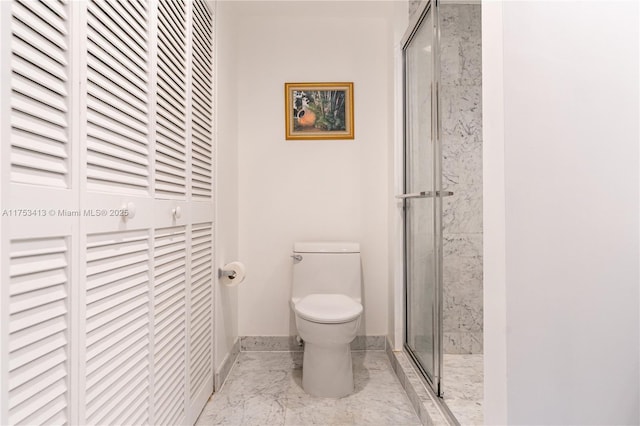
(318, 110)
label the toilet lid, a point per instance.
(328, 308)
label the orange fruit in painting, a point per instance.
(306, 118)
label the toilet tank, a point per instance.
(328, 267)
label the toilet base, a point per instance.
(327, 371)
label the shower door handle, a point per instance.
(425, 194)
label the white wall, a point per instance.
(310, 190)
(226, 155)
(561, 212)
(494, 256)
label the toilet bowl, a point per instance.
(326, 302)
(327, 323)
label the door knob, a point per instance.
(128, 210)
(176, 212)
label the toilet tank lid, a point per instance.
(326, 247)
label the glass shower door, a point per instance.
(422, 339)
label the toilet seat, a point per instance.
(328, 308)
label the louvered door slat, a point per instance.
(202, 100)
(106, 79)
(171, 105)
(129, 44)
(41, 95)
(170, 325)
(202, 112)
(202, 67)
(117, 323)
(29, 105)
(48, 24)
(24, 45)
(174, 13)
(118, 97)
(114, 96)
(202, 64)
(116, 142)
(171, 94)
(50, 13)
(100, 102)
(39, 331)
(24, 68)
(103, 380)
(106, 70)
(109, 51)
(57, 7)
(172, 44)
(112, 150)
(171, 158)
(126, 164)
(46, 147)
(172, 152)
(200, 306)
(39, 101)
(128, 18)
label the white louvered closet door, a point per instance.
(116, 377)
(107, 318)
(201, 196)
(171, 237)
(38, 242)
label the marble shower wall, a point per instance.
(461, 121)
(414, 6)
(461, 125)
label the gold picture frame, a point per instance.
(318, 111)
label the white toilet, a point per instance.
(326, 298)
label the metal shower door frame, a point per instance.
(430, 7)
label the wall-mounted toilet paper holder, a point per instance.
(231, 274)
(225, 273)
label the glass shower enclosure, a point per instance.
(422, 199)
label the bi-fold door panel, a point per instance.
(201, 188)
(37, 187)
(117, 373)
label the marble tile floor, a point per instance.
(463, 387)
(265, 388)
